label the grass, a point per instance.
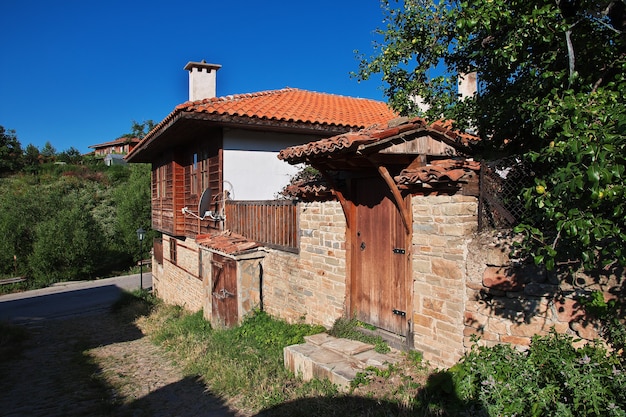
(244, 365)
(349, 329)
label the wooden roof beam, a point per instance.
(395, 191)
(345, 207)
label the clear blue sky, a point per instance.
(77, 73)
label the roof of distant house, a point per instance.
(119, 141)
(288, 107)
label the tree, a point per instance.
(10, 151)
(139, 130)
(70, 156)
(68, 244)
(132, 202)
(32, 158)
(551, 83)
(48, 152)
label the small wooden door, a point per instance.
(224, 291)
(380, 258)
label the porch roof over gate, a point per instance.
(399, 134)
(409, 153)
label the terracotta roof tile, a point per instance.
(352, 140)
(285, 105)
(308, 190)
(447, 170)
(227, 243)
(292, 104)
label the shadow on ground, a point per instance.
(53, 373)
(185, 398)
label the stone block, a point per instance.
(568, 310)
(446, 269)
(586, 331)
(503, 279)
(515, 340)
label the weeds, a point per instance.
(551, 378)
(349, 329)
(245, 366)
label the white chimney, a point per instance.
(202, 80)
(468, 85)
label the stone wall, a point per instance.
(311, 285)
(179, 283)
(442, 228)
(509, 301)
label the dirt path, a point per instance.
(99, 366)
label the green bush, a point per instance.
(552, 378)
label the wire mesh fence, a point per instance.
(501, 184)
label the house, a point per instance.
(388, 236)
(212, 150)
(120, 146)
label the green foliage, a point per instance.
(244, 359)
(610, 313)
(67, 244)
(139, 130)
(551, 378)
(131, 200)
(349, 329)
(551, 90)
(21, 208)
(63, 221)
(264, 332)
(10, 151)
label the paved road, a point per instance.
(67, 299)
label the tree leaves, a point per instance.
(551, 91)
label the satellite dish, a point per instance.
(205, 202)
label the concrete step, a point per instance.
(338, 360)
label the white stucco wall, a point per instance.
(251, 165)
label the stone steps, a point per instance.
(338, 360)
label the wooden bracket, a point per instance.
(345, 206)
(395, 191)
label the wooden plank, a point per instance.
(14, 280)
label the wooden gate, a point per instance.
(380, 258)
(224, 291)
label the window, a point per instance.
(204, 169)
(194, 174)
(160, 180)
(173, 251)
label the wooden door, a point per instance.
(380, 258)
(224, 291)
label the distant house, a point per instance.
(114, 159)
(212, 150)
(120, 146)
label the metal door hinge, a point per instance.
(399, 313)
(399, 251)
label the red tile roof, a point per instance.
(439, 171)
(227, 243)
(351, 141)
(292, 104)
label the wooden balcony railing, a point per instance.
(271, 223)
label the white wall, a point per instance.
(251, 165)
